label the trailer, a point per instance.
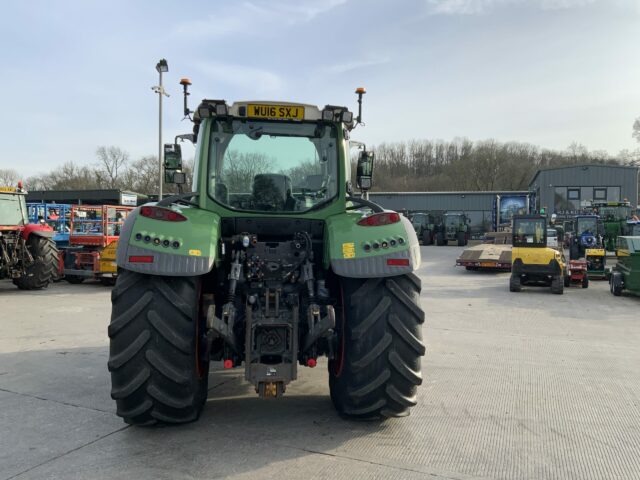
(493, 254)
(93, 240)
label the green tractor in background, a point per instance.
(424, 225)
(272, 262)
(614, 216)
(453, 227)
(625, 275)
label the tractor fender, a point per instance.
(191, 249)
(347, 253)
(44, 231)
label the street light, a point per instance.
(161, 67)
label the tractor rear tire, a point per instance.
(515, 284)
(462, 239)
(557, 285)
(43, 270)
(427, 237)
(157, 374)
(377, 372)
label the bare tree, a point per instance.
(8, 177)
(240, 168)
(111, 163)
(636, 129)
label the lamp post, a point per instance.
(161, 67)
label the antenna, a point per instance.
(360, 91)
(185, 82)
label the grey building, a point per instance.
(479, 206)
(88, 197)
(566, 190)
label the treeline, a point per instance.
(418, 165)
(113, 169)
(426, 165)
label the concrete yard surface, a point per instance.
(519, 386)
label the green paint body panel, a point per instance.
(342, 231)
(198, 236)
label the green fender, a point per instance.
(350, 249)
(166, 248)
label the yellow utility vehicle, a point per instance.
(532, 261)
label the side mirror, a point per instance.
(172, 162)
(364, 170)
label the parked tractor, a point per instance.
(272, 262)
(614, 216)
(625, 275)
(93, 240)
(532, 261)
(453, 227)
(577, 274)
(585, 234)
(424, 225)
(28, 254)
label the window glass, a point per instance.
(275, 167)
(599, 193)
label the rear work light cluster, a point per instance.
(164, 214)
(379, 219)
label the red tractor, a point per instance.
(577, 274)
(28, 254)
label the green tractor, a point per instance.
(614, 216)
(271, 263)
(625, 275)
(453, 227)
(424, 225)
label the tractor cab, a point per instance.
(13, 209)
(586, 234)
(453, 226)
(424, 223)
(529, 231)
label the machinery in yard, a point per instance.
(93, 240)
(272, 262)
(625, 275)
(424, 225)
(452, 227)
(532, 261)
(577, 274)
(56, 215)
(596, 262)
(494, 253)
(633, 228)
(585, 234)
(614, 216)
(28, 254)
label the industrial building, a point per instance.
(479, 206)
(566, 190)
(88, 197)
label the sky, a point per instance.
(75, 75)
